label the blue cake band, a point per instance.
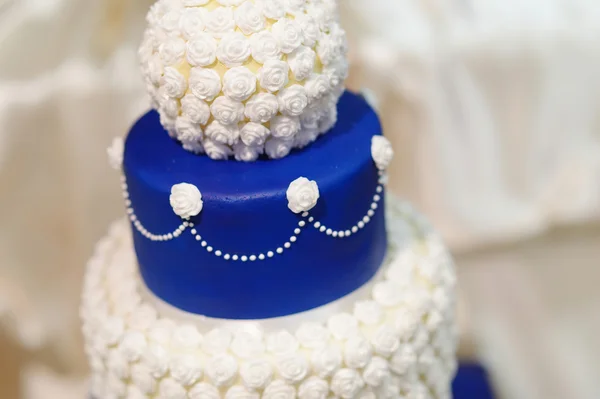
(245, 212)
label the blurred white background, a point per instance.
(493, 108)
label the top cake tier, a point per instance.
(245, 79)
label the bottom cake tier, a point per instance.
(395, 337)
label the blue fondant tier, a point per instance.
(246, 213)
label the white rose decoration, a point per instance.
(312, 335)
(327, 361)
(264, 47)
(311, 115)
(171, 389)
(288, 33)
(382, 152)
(302, 195)
(195, 109)
(227, 112)
(204, 390)
(273, 76)
(117, 363)
(279, 390)
(310, 29)
(115, 153)
(376, 371)
(305, 137)
(249, 18)
(256, 374)
(220, 133)
(386, 293)
(186, 200)
(292, 100)
(403, 360)
(313, 388)
(201, 50)
(239, 83)
(317, 86)
(285, 127)
(205, 83)
(172, 51)
(247, 345)
(186, 369)
(233, 49)
(261, 108)
(346, 383)
(278, 148)
(157, 360)
(357, 352)
(186, 337)
(219, 21)
(272, 9)
(222, 369)
(133, 345)
(240, 392)
(294, 7)
(247, 153)
(293, 368)
(302, 62)
(155, 69)
(342, 325)
(170, 21)
(385, 340)
(368, 312)
(187, 130)
(282, 343)
(216, 150)
(174, 83)
(217, 341)
(254, 134)
(191, 22)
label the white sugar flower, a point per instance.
(386, 293)
(169, 388)
(293, 368)
(256, 374)
(317, 86)
(312, 335)
(305, 136)
(155, 69)
(272, 9)
(254, 134)
(368, 312)
(132, 345)
(205, 83)
(295, 7)
(342, 325)
(186, 200)
(195, 109)
(186, 369)
(292, 100)
(326, 361)
(202, 50)
(172, 51)
(382, 152)
(285, 127)
(204, 390)
(310, 29)
(313, 388)
(227, 112)
(233, 49)
(224, 134)
(357, 352)
(240, 392)
(216, 150)
(167, 104)
(288, 33)
(115, 153)
(282, 343)
(170, 21)
(141, 376)
(217, 341)
(219, 21)
(245, 153)
(222, 369)
(376, 372)
(311, 115)
(261, 107)
(302, 62)
(346, 383)
(239, 83)
(385, 340)
(186, 337)
(187, 130)
(249, 18)
(174, 83)
(302, 195)
(264, 47)
(247, 345)
(273, 76)
(278, 148)
(191, 22)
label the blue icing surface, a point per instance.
(245, 212)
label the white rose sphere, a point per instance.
(216, 70)
(302, 195)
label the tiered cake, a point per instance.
(256, 261)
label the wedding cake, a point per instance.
(261, 255)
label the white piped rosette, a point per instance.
(219, 70)
(396, 339)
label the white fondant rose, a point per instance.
(186, 369)
(376, 371)
(239, 83)
(302, 195)
(216, 150)
(368, 312)
(186, 200)
(317, 86)
(382, 152)
(171, 389)
(222, 369)
(357, 352)
(256, 374)
(386, 293)
(157, 360)
(169, 105)
(264, 47)
(191, 22)
(272, 9)
(282, 343)
(313, 388)
(247, 345)
(219, 21)
(305, 137)
(346, 383)
(240, 392)
(342, 325)
(194, 146)
(403, 360)
(326, 361)
(247, 153)
(327, 49)
(172, 51)
(186, 337)
(292, 100)
(249, 18)
(293, 368)
(133, 345)
(224, 134)
(174, 83)
(204, 390)
(273, 76)
(310, 29)
(278, 148)
(170, 21)
(261, 108)
(253, 134)
(141, 375)
(216, 341)
(312, 335)
(385, 340)
(311, 115)
(205, 83)
(288, 33)
(115, 153)
(201, 50)
(227, 112)
(302, 62)
(337, 71)
(195, 109)
(233, 49)
(187, 130)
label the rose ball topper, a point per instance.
(241, 78)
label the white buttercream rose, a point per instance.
(155, 69)
(117, 363)
(239, 83)
(205, 83)
(385, 340)
(187, 131)
(172, 50)
(282, 343)
(256, 374)
(254, 134)
(233, 49)
(247, 345)
(186, 369)
(133, 345)
(293, 368)
(264, 47)
(288, 33)
(217, 341)
(186, 200)
(186, 337)
(278, 148)
(201, 49)
(342, 325)
(224, 134)
(382, 152)
(313, 388)
(219, 21)
(171, 389)
(285, 127)
(328, 119)
(310, 29)
(346, 383)
(247, 153)
(292, 100)
(261, 107)
(376, 371)
(194, 146)
(216, 150)
(240, 392)
(317, 86)
(305, 136)
(279, 390)
(368, 312)
(174, 83)
(249, 18)
(386, 293)
(295, 7)
(311, 115)
(191, 22)
(195, 109)
(403, 360)
(272, 9)
(170, 21)
(302, 62)
(115, 153)
(302, 195)
(222, 369)
(169, 105)
(204, 390)
(227, 112)
(312, 335)
(156, 358)
(273, 76)
(357, 352)
(142, 377)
